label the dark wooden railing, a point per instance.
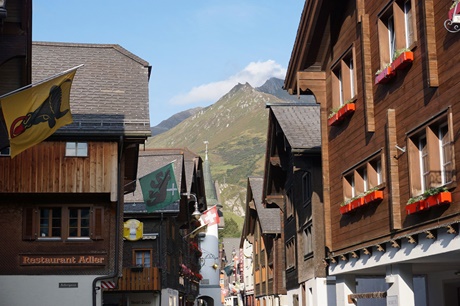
(138, 279)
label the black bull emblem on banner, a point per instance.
(159, 192)
(49, 111)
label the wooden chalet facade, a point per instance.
(162, 261)
(384, 75)
(293, 180)
(61, 201)
(262, 227)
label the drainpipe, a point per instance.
(117, 232)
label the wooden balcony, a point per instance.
(138, 279)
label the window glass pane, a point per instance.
(85, 232)
(408, 23)
(424, 166)
(391, 36)
(82, 149)
(70, 148)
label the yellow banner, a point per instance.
(35, 113)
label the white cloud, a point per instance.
(256, 73)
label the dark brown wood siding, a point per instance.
(44, 168)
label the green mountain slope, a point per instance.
(236, 129)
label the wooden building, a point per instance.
(262, 227)
(293, 181)
(384, 75)
(61, 201)
(161, 262)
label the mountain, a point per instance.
(172, 121)
(236, 129)
(274, 86)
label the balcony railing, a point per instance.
(138, 279)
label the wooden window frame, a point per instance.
(290, 254)
(143, 252)
(428, 167)
(80, 150)
(31, 223)
(403, 28)
(306, 188)
(80, 220)
(344, 80)
(363, 177)
(307, 234)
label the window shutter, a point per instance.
(97, 220)
(29, 221)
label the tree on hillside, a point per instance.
(230, 230)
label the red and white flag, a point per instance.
(210, 216)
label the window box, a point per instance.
(403, 60)
(385, 75)
(374, 196)
(412, 208)
(454, 13)
(438, 199)
(345, 111)
(345, 208)
(362, 200)
(357, 203)
(426, 201)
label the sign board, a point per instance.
(68, 285)
(62, 260)
(133, 230)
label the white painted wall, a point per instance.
(38, 290)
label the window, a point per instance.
(307, 241)
(142, 258)
(306, 188)
(62, 223)
(431, 156)
(362, 178)
(50, 222)
(79, 149)
(290, 254)
(5, 152)
(289, 203)
(396, 30)
(79, 222)
(344, 79)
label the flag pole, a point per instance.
(40, 82)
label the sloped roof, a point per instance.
(300, 124)
(109, 95)
(269, 218)
(150, 161)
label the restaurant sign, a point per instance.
(62, 260)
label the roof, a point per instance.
(269, 218)
(300, 124)
(109, 94)
(153, 159)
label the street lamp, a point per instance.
(196, 214)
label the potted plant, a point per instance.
(373, 195)
(454, 12)
(431, 197)
(384, 75)
(401, 59)
(337, 115)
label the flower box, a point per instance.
(385, 75)
(345, 209)
(403, 60)
(412, 208)
(454, 14)
(341, 114)
(438, 199)
(357, 203)
(373, 196)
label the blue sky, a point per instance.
(198, 49)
